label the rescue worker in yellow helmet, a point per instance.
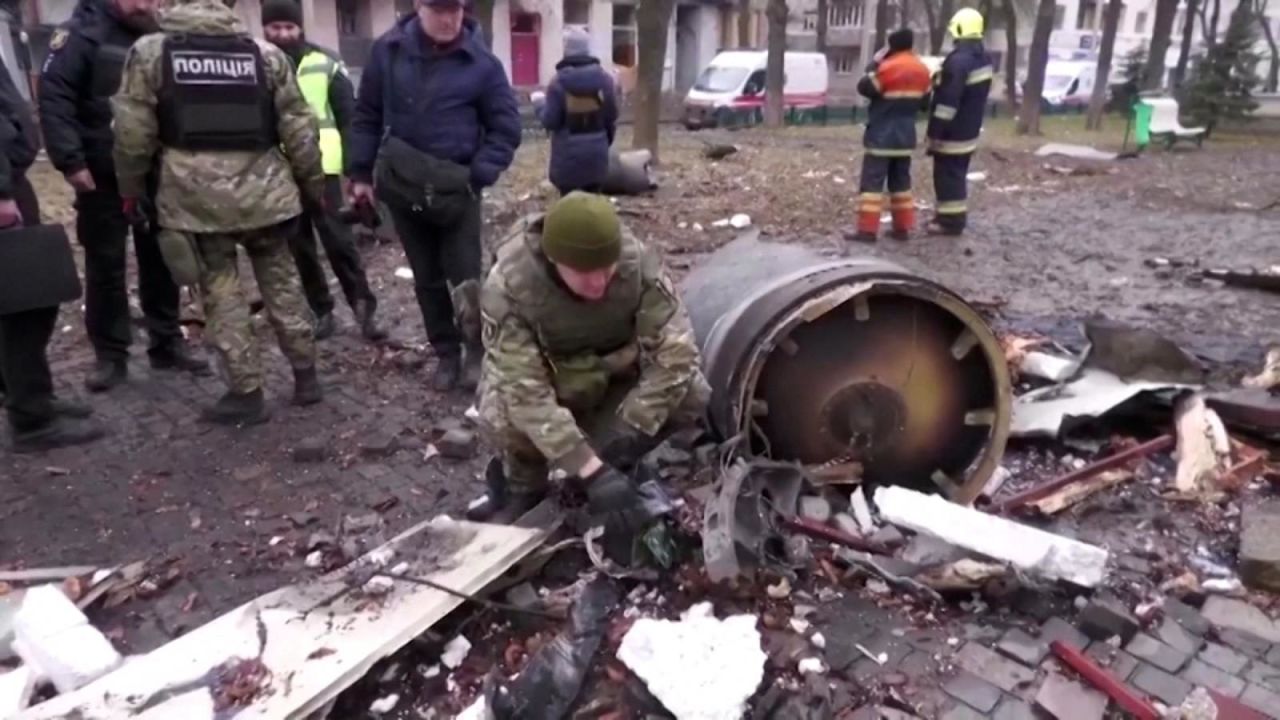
(323, 80)
(955, 120)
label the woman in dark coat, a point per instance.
(581, 113)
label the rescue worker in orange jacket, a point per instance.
(897, 85)
(959, 104)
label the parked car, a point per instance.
(734, 82)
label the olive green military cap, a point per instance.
(582, 231)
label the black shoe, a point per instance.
(862, 237)
(448, 372)
(70, 409)
(369, 327)
(936, 228)
(179, 356)
(106, 374)
(238, 409)
(306, 387)
(62, 432)
(325, 326)
(500, 505)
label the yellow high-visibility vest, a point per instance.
(314, 73)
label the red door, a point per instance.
(525, 29)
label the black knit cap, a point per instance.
(281, 11)
(902, 39)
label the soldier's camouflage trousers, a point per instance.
(525, 467)
(227, 309)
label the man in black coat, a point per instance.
(38, 420)
(82, 72)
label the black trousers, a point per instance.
(103, 231)
(24, 340)
(339, 246)
(440, 256)
(952, 189)
(878, 170)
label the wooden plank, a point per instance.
(313, 656)
(45, 574)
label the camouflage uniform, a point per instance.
(558, 370)
(223, 199)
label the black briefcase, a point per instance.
(36, 269)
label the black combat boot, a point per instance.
(62, 432)
(325, 326)
(238, 409)
(365, 315)
(500, 505)
(106, 374)
(448, 372)
(179, 356)
(70, 409)
(306, 387)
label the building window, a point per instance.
(577, 12)
(624, 35)
(1140, 23)
(847, 13)
(811, 20)
(348, 17)
(1087, 16)
(1059, 16)
(845, 61)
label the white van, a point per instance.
(1068, 83)
(734, 81)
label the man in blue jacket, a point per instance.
(581, 112)
(432, 84)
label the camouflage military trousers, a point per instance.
(525, 467)
(227, 309)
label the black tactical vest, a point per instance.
(583, 113)
(215, 95)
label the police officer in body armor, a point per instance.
(80, 75)
(238, 150)
(323, 80)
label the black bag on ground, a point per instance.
(407, 179)
(37, 269)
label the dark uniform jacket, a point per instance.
(82, 72)
(960, 99)
(17, 134)
(897, 87)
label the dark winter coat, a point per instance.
(960, 99)
(581, 112)
(897, 87)
(17, 133)
(454, 103)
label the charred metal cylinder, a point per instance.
(825, 361)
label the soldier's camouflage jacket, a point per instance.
(550, 355)
(210, 192)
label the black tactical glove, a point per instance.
(612, 499)
(620, 445)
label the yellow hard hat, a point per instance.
(966, 24)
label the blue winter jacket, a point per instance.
(580, 145)
(454, 103)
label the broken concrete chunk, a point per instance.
(378, 445)
(845, 523)
(455, 652)
(361, 523)
(1106, 617)
(1034, 551)
(888, 536)
(861, 510)
(52, 634)
(310, 450)
(1260, 546)
(457, 444)
(382, 706)
(815, 508)
(1069, 700)
(1226, 612)
(1204, 448)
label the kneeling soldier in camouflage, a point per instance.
(589, 361)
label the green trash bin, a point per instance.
(1141, 124)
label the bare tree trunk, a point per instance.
(1011, 53)
(821, 31)
(483, 10)
(931, 19)
(653, 18)
(1029, 114)
(1211, 37)
(744, 24)
(1273, 72)
(945, 10)
(882, 22)
(1101, 81)
(1161, 37)
(774, 75)
(1188, 33)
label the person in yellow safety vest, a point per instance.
(955, 120)
(323, 80)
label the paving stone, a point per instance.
(1245, 642)
(1168, 689)
(973, 691)
(1022, 647)
(1225, 612)
(1069, 700)
(1118, 662)
(1011, 708)
(1106, 616)
(457, 444)
(1187, 616)
(1268, 676)
(1201, 673)
(1056, 628)
(378, 445)
(986, 664)
(1261, 699)
(1145, 647)
(961, 712)
(1259, 564)
(310, 450)
(1224, 658)
(1175, 636)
